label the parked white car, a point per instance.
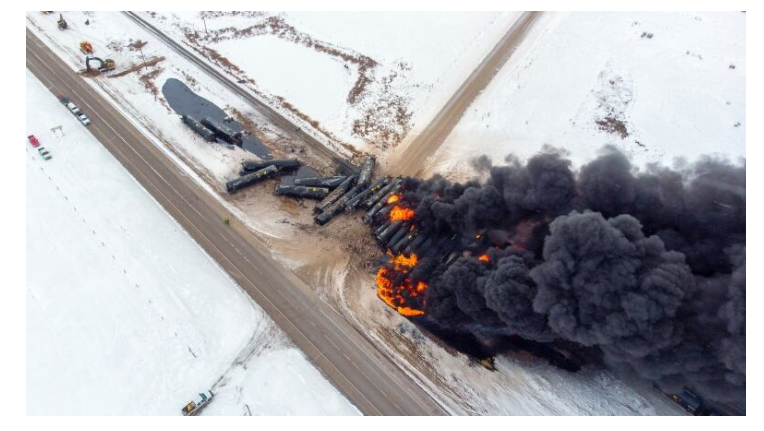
(75, 110)
(45, 154)
(84, 119)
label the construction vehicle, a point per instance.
(194, 407)
(488, 364)
(86, 47)
(62, 25)
(104, 65)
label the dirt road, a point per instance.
(368, 378)
(410, 160)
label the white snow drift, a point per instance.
(125, 313)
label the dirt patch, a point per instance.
(384, 115)
(153, 61)
(147, 79)
(614, 126)
(386, 120)
(116, 46)
(190, 80)
(92, 73)
(613, 97)
(137, 45)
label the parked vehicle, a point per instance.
(194, 406)
(32, 140)
(72, 107)
(45, 154)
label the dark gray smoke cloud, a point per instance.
(646, 265)
(603, 283)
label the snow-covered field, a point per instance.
(333, 264)
(125, 313)
(366, 79)
(674, 81)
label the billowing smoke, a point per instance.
(647, 265)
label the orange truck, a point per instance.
(86, 47)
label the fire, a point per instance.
(393, 199)
(401, 213)
(485, 258)
(403, 261)
(395, 295)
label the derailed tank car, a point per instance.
(282, 165)
(359, 198)
(222, 130)
(328, 182)
(249, 179)
(335, 195)
(367, 169)
(199, 128)
(337, 206)
(301, 191)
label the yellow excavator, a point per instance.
(104, 65)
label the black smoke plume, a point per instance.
(647, 265)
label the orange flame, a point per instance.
(393, 199)
(401, 213)
(485, 258)
(393, 295)
(403, 261)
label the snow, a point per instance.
(421, 59)
(306, 78)
(676, 80)
(109, 30)
(125, 313)
(335, 265)
(441, 48)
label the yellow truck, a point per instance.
(195, 406)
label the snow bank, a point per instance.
(674, 81)
(125, 313)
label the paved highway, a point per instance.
(410, 160)
(368, 378)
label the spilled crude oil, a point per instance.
(184, 101)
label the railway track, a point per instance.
(345, 166)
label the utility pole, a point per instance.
(205, 25)
(144, 58)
